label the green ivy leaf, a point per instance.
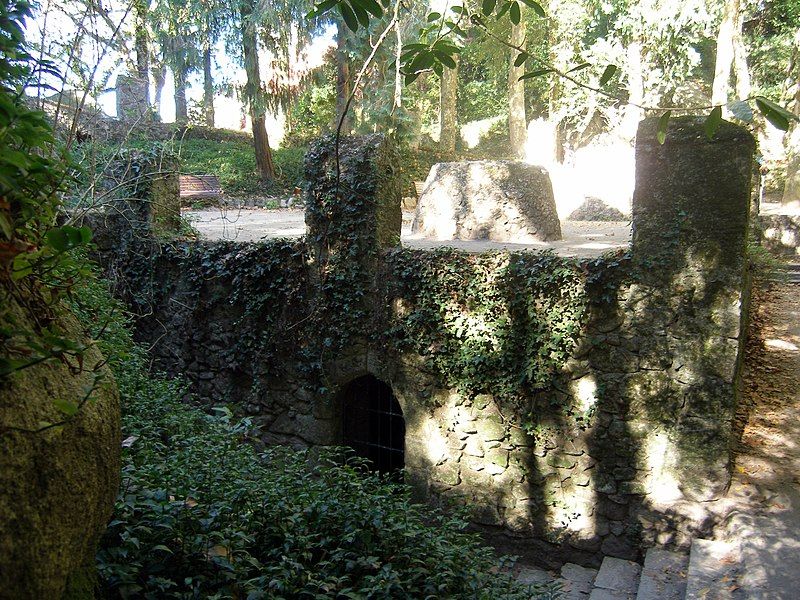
(521, 58)
(536, 73)
(741, 110)
(607, 74)
(373, 7)
(488, 7)
(66, 407)
(663, 123)
(774, 113)
(514, 13)
(349, 16)
(580, 67)
(57, 239)
(713, 121)
(537, 8)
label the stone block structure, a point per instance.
(133, 98)
(580, 408)
(503, 201)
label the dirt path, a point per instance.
(766, 483)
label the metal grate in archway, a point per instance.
(373, 424)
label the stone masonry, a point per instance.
(651, 385)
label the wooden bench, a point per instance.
(200, 186)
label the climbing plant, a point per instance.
(38, 264)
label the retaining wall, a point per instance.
(581, 408)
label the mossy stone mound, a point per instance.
(57, 486)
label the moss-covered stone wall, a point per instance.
(580, 408)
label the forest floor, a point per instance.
(765, 489)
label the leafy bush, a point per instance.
(232, 160)
(202, 514)
(235, 164)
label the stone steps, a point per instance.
(713, 571)
(663, 576)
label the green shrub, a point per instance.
(235, 165)
(232, 160)
(202, 514)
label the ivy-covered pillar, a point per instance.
(353, 204)
(145, 190)
(690, 227)
(353, 213)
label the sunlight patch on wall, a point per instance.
(660, 456)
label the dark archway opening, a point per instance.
(373, 424)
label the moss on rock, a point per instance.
(57, 486)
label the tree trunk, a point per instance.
(266, 167)
(517, 120)
(791, 190)
(160, 79)
(343, 83)
(253, 94)
(208, 87)
(731, 23)
(741, 72)
(398, 76)
(634, 114)
(556, 87)
(181, 107)
(141, 44)
(448, 117)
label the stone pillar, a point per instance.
(147, 191)
(132, 98)
(690, 225)
(360, 214)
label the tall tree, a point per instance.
(791, 190)
(731, 24)
(142, 44)
(253, 93)
(208, 86)
(448, 111)
(517, 120)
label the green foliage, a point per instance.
(37, 258)
(202, 514)
(493, 323)
(416, 163)
(232, 160)
(312, 114)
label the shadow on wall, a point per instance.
(580, 407)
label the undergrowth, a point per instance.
(203, 514)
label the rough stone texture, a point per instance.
(690, 225)
(594, 209)
(504, 201)
(655, 369)
(780, 234)
(663, 576)
(144, 197)
(368, 179)
(132, 102)
(57, 487)
(713, 570)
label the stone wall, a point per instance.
(579, 408)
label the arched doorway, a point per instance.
(373, 423)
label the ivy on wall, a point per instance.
(499, 323)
